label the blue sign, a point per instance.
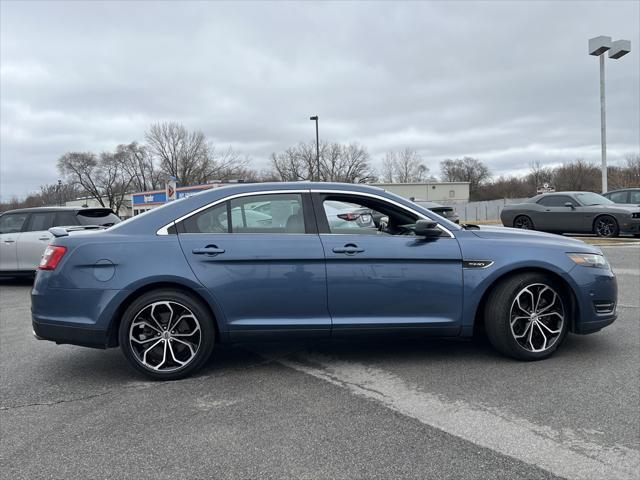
(149, 198)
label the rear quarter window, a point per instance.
(100, 217)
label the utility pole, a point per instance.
(597, 47)
(315, 117)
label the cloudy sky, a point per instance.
(507, 82)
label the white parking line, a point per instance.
(627, 271)
(561, 452)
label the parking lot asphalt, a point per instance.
(378, 408)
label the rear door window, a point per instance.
(211, 220)
(272, 213)
(277, 213)
(40, 221)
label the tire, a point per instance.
(510, 298)
(524, 222)
(160, 352)
(606, 226)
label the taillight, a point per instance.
(52, 256)
(349, 217)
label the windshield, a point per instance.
(590, 198)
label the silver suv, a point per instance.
(24, 233)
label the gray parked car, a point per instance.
(24, 233)
(629, 196)
(573, 212)
(447, 212)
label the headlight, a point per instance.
(589, 260)
(635, 215)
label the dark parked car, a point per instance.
(168, 285)
(24, 233)
(573, 212)
(444, 211)
(630, 196)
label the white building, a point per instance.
(440, 192)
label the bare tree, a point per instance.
(466, 169)
(577, 175)
(338, 163)
(139, 165)
(627, 175)
(189, 156)
(103, 177)
(58, 193)
(405, 166)
(388, 167)
(181, 154)
(538, 175)
(82, 169)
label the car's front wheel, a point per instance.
(606, 226)
(526, 316)
(167, 334)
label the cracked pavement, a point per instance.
(333, 409)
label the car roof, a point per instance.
(53, 209)
(630, 189)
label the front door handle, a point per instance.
(349, 249)
(8, 240)
(208, 250)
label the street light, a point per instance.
(315, 117)
(617, 49)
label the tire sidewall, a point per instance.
(499, 329)
(197, 308)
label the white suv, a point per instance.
(24, 234)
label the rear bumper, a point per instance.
(69, 334)
(73, 316)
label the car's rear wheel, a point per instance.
(524, 222)
(167, 334)
(606, 226)
(526, 316)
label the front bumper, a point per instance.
(596, 298)
(631, 226)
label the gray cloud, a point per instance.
(507, 82)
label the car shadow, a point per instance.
(90, 366)
(21, 281)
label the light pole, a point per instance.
(617, 49)
(315, 117)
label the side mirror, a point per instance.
(569, 204)
(427, 228)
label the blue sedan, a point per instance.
(169, 285)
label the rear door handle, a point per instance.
(9, 241)
(44, 238)
(208, 250)
(349, 249)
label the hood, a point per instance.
(625, 207)
(517, 234)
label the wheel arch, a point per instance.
(478, 322)
(114, 324)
